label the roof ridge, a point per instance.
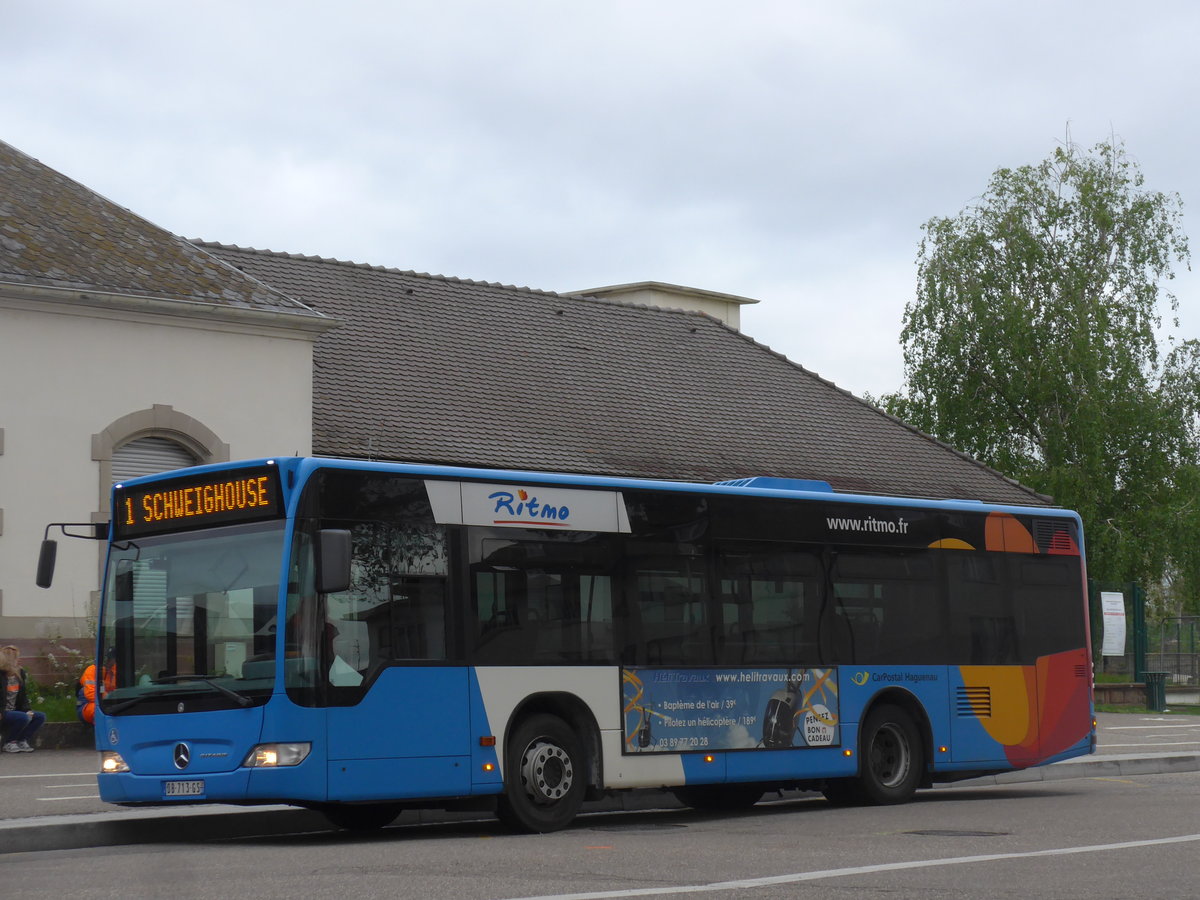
(370, 267)
(450, 279)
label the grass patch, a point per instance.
(58, 709)
(1114, 678)
(1171, 710)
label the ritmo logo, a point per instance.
(526, 509)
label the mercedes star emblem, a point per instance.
(182, 756)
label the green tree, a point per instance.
(1036, 344)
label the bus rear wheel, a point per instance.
(362, 816)
(718, 796)
(544, 776)
(892, 758)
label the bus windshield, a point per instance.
(189, 619)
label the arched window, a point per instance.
(147, 456)
(149, 441)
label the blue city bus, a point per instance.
(364, 637)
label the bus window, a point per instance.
(770, 602)
(548, 600)
(668, 617)
(394, 610)
(886, 610)
(983, 625)
(1048, 603)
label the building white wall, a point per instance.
(68, 372)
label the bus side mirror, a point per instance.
(46, 558)
(333, 560)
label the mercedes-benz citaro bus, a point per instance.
(360, 638)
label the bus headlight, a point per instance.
(273, 755)
(111, 763)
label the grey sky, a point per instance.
(786, 151)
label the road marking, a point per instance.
(1155, 744)
(1148, 727)
(769, 881)
(59, 775)
(81, 797)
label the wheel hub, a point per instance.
(890, 755)
(546, 772)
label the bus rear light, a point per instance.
(489, 767)
(111, 763)
(488, 740)
(277, 755)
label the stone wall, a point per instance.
(66, 736)
(1131, 693)
(49, 661)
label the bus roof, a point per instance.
(764, 486)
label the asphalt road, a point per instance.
(50, 800)
(1093, 837)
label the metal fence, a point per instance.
(1173, 646)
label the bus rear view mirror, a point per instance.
(333, 560)
(46, 558)
(93, 531)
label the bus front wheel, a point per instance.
(544, 776)
(892, 757)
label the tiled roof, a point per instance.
(433, 369)
(56, 233)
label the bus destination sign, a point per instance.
(200, 501)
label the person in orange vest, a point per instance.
(85, 697)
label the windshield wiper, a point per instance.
(240, 699)
(114, 708)
(122, 705)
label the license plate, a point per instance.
(183, 788)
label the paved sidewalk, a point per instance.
(1118, 733)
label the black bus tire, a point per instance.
(544, 778)
(718, 796)
(361, 816)
(892, 758)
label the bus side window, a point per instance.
(888, 609)
(541, 600)
(671, 612)
(596, 618)
(1048, 602)
(394, 609)
(984, 628)
(770, 602)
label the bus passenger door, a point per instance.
(406, 737)
(398, 717)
